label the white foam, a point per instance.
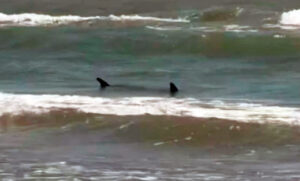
(235, 26)
(144, 18)
(279, 36)
(228, 28)
(19, 103)
(164, 28)
(290, 18)
(33, 19)
(239, 29)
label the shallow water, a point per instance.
(235, 117)
(92, 147)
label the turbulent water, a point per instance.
(236, 115)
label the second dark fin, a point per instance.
(173, 89)
(102, 83)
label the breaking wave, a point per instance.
(291, 18)
(245, 112)
(32, 19)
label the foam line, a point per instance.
(19, 103)
(33, 19)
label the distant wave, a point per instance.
(32, 19)
(163, 28)
(19, 103)
(225, 28)
(290, 18)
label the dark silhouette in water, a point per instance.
(102, 82)
(173, 89)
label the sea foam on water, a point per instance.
(33, 19)
(290, 18)
(16, 104)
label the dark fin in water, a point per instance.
(102, 82)
(173, 89)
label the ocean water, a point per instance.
(236, 65)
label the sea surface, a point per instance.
(236, 64)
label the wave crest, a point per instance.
(33, 19)
(19, 103)
(291, 18)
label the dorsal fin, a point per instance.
(102, 82)
(173, 89)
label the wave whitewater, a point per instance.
(290, 18)
(33, 19)
(16, 104)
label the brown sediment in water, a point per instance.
(220, 14)
(159, 130)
